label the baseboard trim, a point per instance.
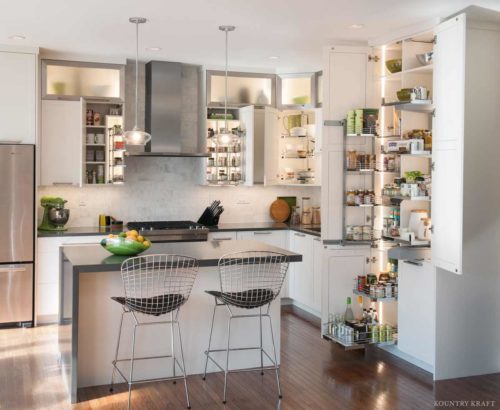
(303, 314)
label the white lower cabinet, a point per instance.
(273, 238)
(340, 267)
(47, 268)
(417, 311)
(305, 276)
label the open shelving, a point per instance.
(103, 163)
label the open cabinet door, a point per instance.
(247, 123)
(447, 145)
(271, 146)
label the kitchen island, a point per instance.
(89, 319)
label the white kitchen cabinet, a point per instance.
(302, 277)
(276, 238)
(341, 266)
(448, 144)
(273, 238)
(222, 236)
(317, 273)
(18, 85)
(417, 311)
(346, 85)
(61, 152)
(47, 274)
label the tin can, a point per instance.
(361, 283)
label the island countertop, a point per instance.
(94, 258)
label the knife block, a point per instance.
(207, 218)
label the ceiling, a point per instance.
(186, 31)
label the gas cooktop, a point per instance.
(171, 231)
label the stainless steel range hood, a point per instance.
(174, 111)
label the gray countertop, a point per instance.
(94, 258)
(78, 231)
(249, 226)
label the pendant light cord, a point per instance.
(225, 87)
(136, 72)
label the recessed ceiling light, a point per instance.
(356, 26)
(273, 57)
(17, 37)
(153, 48)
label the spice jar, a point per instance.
(316, 215)
(351, 197)
(352, 160)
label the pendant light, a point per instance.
(136, 136)
(224, 136)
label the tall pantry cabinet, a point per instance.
(466, 194)
(464, 293)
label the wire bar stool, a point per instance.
(155, 285)
(248, 280)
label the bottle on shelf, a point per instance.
(348, 315)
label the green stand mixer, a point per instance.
(54, 214)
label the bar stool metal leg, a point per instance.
(130, 380)
(261, 349)
(275, 358)
(227, 356)
(116, 352)
(173, 343)
(209, 341)
(183, 365)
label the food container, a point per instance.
(316, 215)
(352, 160)
(361, 282)
(97, 118)
(99, 139)
(367, 233)
(90, 139)
(349, 233)
(388, 290)
(357, 233)
(371, 279)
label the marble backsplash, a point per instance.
(169, 189)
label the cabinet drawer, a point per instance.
(273, 238)
(222, 236)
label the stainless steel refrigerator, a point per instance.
(17, 233)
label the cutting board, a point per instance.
(280, 210)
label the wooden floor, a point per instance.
(315, 374)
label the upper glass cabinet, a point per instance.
(242, 89)
(297, 90)
(71, 80)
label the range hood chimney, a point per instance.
(174, 111)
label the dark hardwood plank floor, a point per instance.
(315, 374)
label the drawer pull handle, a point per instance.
(13, 270)
(223, 239)
(300, 234)
(262, 233)
(62, 183)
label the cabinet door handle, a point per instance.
(62, 183)
(262, 233)
(300, 234)
(223, 239)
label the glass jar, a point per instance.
(359, 198)
(352, 160)
(306, 217)
(295, 218)
(316, 215)
(349, 233)
(351, 197)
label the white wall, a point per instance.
(167, 189)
